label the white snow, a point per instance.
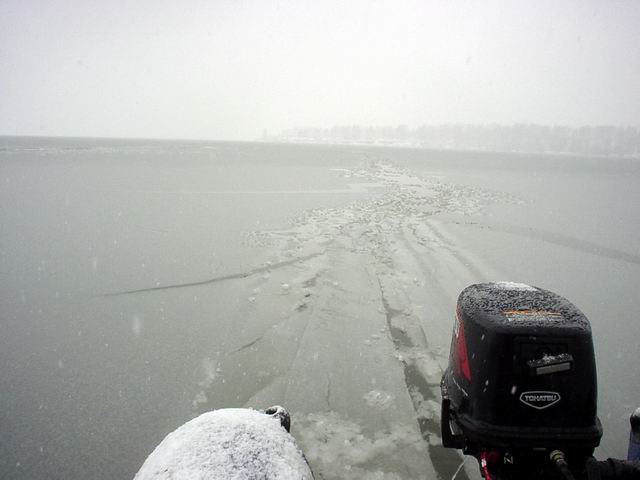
(136, 324)
(212, 371)
(515, 286)
(550, 359)
(379, 399)
(227, 444)
(341, 448)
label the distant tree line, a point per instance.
(589, 140)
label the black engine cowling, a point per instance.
(521, 374)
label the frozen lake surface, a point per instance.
(143, 283)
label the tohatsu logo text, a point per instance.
(539, 400)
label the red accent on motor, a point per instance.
(461, 349)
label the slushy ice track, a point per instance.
(384, 267)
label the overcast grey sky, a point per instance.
(223, 69)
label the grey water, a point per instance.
(104, 349)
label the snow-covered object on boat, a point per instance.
(234, 443)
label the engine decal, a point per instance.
(540, 400)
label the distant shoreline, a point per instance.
(589, 140)
(410, 146)
(48, 140)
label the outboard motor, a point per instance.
(520, 386)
